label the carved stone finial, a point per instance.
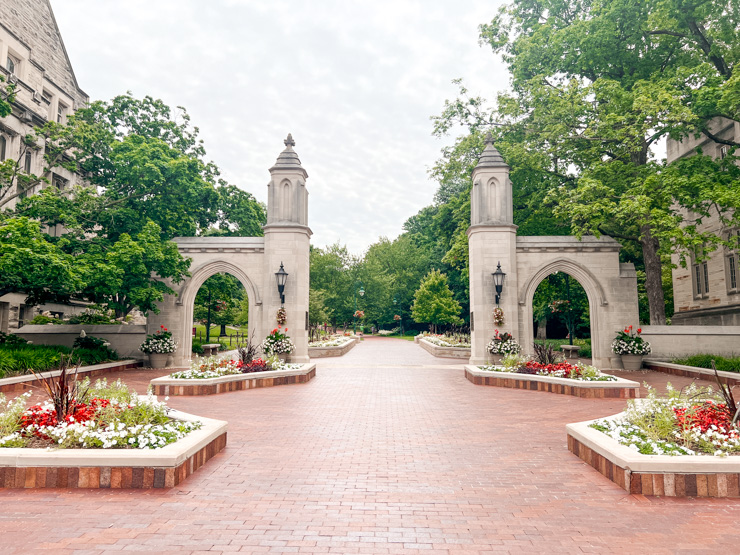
(489, 138)
(289, 141)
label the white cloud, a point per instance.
(354, 83)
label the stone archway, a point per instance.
(611, 286)
(253, 261)
(198, 277)
(594, 293)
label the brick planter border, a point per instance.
(659, 475)
(234, 382)
(19, 384)
(321, 352)
(730, 378)
(114, 468)
(443, 352)
(619, 389)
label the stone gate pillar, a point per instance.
(491, 240)
(287, 241)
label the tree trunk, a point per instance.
(542, 328)
(653, 277)
(223, 330)
(208, 320)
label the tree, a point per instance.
(434, 303)
(32, 265)
(216, 302)
(595, 85)
(146, 182)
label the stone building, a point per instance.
(708, 292)
(32, 55)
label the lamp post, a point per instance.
(281, 275)
(361, 291)
(498, 282)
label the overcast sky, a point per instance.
(355, 83)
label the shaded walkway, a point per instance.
(388, 450)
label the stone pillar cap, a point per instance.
(288, 159)
(491, 158)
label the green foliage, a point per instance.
(42, 320)
(723, 364)
(16, 360)
(88, 342)
(217, 300)
(29, 263)
(197, 347)
(561, 298)
(434, 303)
(91, 317)
(594, 87)
(11, 340)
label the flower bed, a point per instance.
(333, 342)
(18, 384)
(213, 367)
(103, 417)
(334, 348)
(200, 382)
(442, 351)
(446, 341)
(677, 447)
(565, 370)
(101, 436)
(498, 377)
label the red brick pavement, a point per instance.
(387, 450)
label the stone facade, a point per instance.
(32, 55)
(254, 261)
(707, 293)
(611, 287)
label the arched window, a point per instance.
(3, 145)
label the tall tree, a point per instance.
(595, 85)
(434, 303)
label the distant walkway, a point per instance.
(388, 450)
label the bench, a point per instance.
(570, 351)
(210, 349)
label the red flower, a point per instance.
(286, 329)
(161, 327)
(626, 330)
(165, 329)
(639, 330)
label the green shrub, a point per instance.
(8, 339)
(197, 347)
(723, 364)
(17, 360)
(91, 318)
(89, 342)
(41, 320)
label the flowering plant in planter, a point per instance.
(503, 344)
(160, 342)
(101, 416)
(629, 343)
(277, 343)
(282, 316)
(498, 316)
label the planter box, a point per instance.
(730, 378)
(444, 352)
(321, 352)
(114, 468)
(21, 383)
(619, 389)
(167, 385)
(672, 476)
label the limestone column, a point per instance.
(491, 240)
(287, 242)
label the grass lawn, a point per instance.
(215, 330)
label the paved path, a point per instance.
(388, 450)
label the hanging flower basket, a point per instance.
(282, 316)
(498, 316)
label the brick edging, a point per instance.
(659, 483)
(13, 384)
(550, 387)
(249, 382)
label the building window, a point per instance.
(3, 147)
(732, 261)
(61, 112)
(724, 150)
(27, 161)
(700, 276)
(58, 182)
(11, 64)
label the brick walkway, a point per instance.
(388, 450)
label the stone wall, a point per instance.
(125, 340)
(670, 342)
